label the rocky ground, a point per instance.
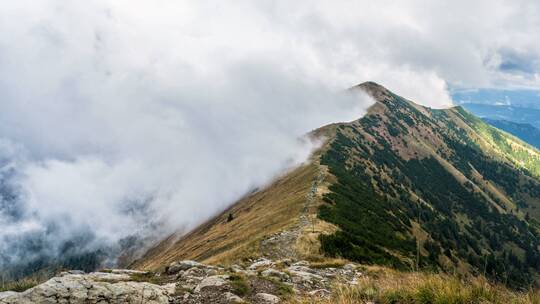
(259, 281)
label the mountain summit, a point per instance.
(405, 186)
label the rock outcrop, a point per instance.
(260, 281)
(96, 287)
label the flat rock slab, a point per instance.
(92, 288)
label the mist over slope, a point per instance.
(405, 186)
(121, 120)
(168, 165)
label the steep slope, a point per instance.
(252, 227)
(405, 186)
(418, 187)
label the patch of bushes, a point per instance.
(239, 285)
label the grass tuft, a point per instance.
(148, 277)
(20, 285)
(239, 284)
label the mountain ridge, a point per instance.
(407, 196)
(383, 200)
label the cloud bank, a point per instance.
(122, 118)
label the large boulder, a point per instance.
(92, 288)
(305, 276)
(212, 281)
(175, 267)
(267, 298)
(6, 294)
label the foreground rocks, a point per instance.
(97, 287)
(259, 281)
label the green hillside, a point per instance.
(433, 189)
(524, 131)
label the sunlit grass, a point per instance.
(20, 285)
(392, 287)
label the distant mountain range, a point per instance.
(521, 122)
(522, 115)
(525, 98)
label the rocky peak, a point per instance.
(386, 100)
(375, 90)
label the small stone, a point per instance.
(267, 298)
(180, 274)
(169, 288)
(301, 263)
(105, 276)
(319, 293)
(260, 263)
(187, 286)
(218, 280)
(175, 267)
(194, 272)
(349, 266)
(301, 275)
(300, 268)
(78, 271)
(125, 271)
(270, 272)
(232, 298)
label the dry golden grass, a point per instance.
(21, 285)
(386, 286)
(261, 214)
(328, 263)
(308, 245)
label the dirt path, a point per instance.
(282, 244)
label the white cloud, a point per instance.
(180, 107)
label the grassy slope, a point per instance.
(521, 154)
(523, 131)
(263, 213)
(442, 177)
(466, 192)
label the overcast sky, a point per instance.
(178, 108)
